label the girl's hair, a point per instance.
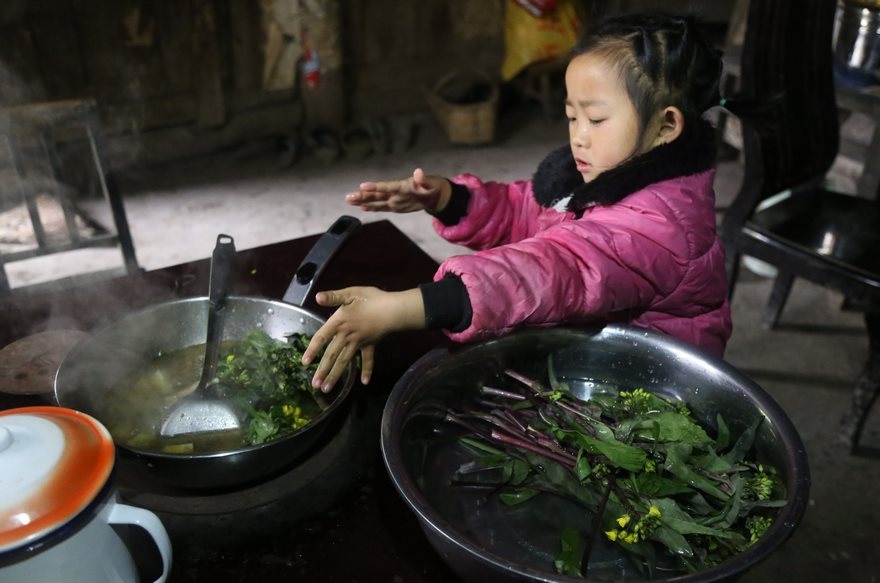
(664, 61)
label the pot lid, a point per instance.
(28, 365)
(53, 463)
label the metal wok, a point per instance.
(97, 363)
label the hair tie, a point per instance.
(723, 102)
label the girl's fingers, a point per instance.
(372, 202)
(383, 187)
(319, 339)
(375, 206)
(339, 367)
(331, 298)
(367, 357)
(422, 181)
(333, 366)
(331, 353)
(327, 332)
(372, 195)
(419, 178)
(370, 191)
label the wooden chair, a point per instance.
(823, 236)
(33, 139)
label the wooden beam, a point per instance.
(209, 78)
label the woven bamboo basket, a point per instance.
(466, 105)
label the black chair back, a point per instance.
(791, 137)
(787, 65)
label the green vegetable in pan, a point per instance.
(268, 381)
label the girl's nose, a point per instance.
(581, 136)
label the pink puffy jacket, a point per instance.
(652, 260)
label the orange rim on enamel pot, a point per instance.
(53, 463)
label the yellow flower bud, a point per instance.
(623, 520)
(611, 534)
(653, 511)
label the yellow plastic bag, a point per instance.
(528, 39)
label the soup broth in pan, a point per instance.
(262, 376)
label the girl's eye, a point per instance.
(571, 119)
(596, 122)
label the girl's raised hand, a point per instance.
(363, 317)
(418, 192)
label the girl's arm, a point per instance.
(493, 214)
(466, 210)
(576, 271)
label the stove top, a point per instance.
(332, 516)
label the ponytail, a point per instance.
(763, 113)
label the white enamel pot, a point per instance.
(58, 505)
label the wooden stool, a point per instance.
(31, 139)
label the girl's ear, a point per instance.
(670, 127)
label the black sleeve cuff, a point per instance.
(447, 304)
(456, 207)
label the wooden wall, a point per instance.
(161, 65)
(396, 49)
(183, 77)
(151, 65)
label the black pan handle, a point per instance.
(316, 260)
(221, 271)
(218, 290)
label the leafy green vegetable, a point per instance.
(650, 484)
(569, 560)
(678, 464)
(655, 482)
(267, 379)
(261, 427)
(616, 452)
(673, 426)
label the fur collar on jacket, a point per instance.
(557, 177)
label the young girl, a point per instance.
(618, 226)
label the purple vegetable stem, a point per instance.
(564, 459)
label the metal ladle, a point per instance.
(202, 410)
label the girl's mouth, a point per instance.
(582, 166)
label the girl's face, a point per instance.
(603, 126)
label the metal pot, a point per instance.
(482, 545)
(97, 363)
(59, 516)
